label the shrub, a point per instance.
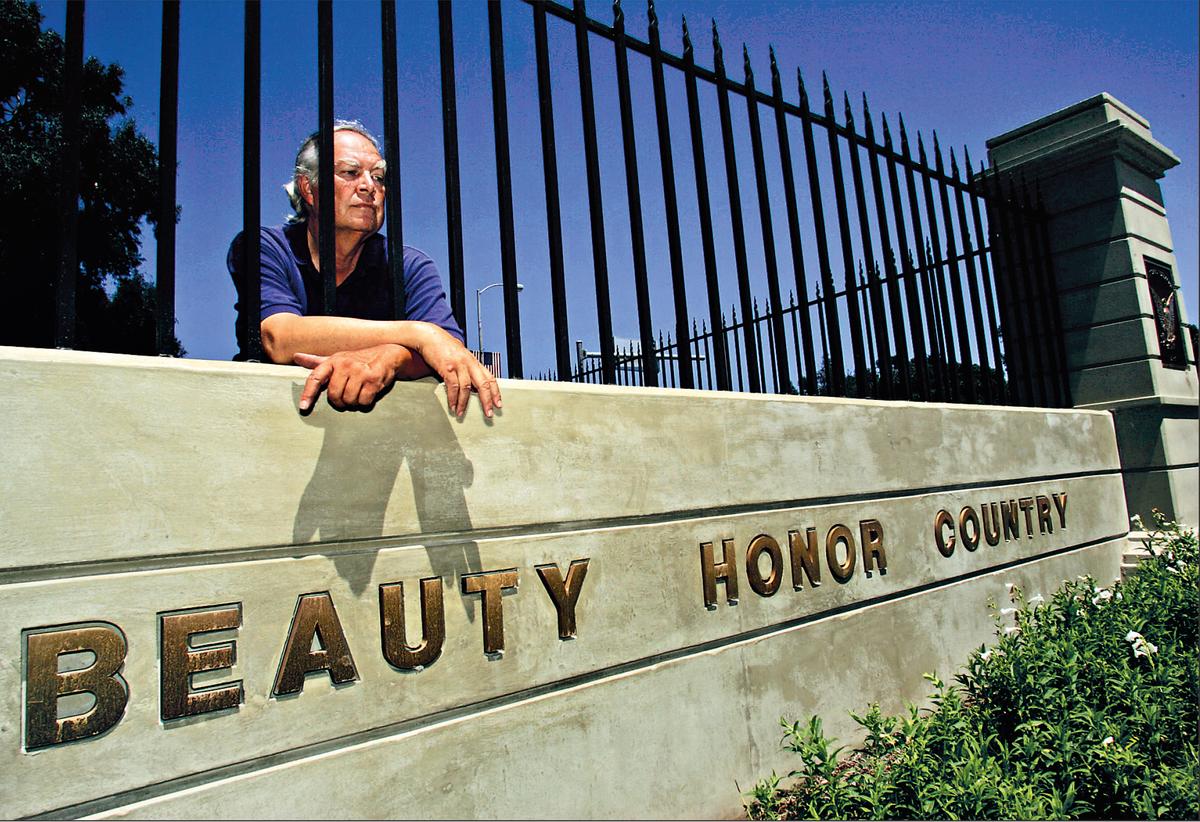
(1084, 707)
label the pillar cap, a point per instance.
(1098, 126)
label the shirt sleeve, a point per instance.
(281, 288)
(425, 299)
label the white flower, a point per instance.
(1136, 522)
(985, 656)
(1007, 611)
(1108, 740)
(1103, 595)
(1036, 599)
(1016, 630)
(1140, 645)
(1119, 595)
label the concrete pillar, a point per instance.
(1097, 168)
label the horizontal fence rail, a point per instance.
(908, 275)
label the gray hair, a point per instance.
(307, 163)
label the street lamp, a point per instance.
(479, 314)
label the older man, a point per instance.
(357, 351)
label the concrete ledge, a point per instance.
(1174, 491)
(189, 488)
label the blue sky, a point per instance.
(970, 70)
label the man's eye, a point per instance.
(378, 178)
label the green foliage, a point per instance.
(1085, 707)
(118, 187)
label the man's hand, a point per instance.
(459, 369)
(353, 379)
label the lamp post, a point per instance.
(479, 313)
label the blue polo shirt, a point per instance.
(288, 277)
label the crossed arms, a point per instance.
(356, 361)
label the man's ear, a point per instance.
(306, 190)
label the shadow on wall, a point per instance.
(356, 472)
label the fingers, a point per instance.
(489, 391)
(313, 385)
(454, 391)
(336, 392)
(308, 360)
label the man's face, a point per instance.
(358, 184)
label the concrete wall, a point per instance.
(133, 489)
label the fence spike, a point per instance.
(618, 15)
(828, 94)
(652, 15)
(746, 65)
(921, 150)
(903, 134)
(687, 39)
(937, 154)
(953, 164)
(967, 162)
(803, 92)
(849, 111)
(866, 108)
(887, 134)
(718, 52)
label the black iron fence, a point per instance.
(923, 279)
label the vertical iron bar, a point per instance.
(934, 255)
(763, 360)
(863, 295)
(891, 280)
(922, 269)
(985, 365)
(954, 274)
(839, 192)
(633, 191)
(733, 188)
(168, 142)
(704, 207)
(670, 204)
(801, 376)
(508, 243)
(831, 335)
(709, 367)
(595, 201)
(906, 272)
(558, 287)
(985, 247)
(454, 240)
(391, 149)
(789, 192)
(877, 322)
(824, 338)
(68, 227)
(775, 308)
(325, 240)
(737, 347)
(251, 297)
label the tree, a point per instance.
(118, 188)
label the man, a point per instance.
(357, 352)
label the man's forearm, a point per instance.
(285, 335)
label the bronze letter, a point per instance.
(805, 558)
(713, 572)
(943, 520)
(180, 660)
(764, 587)
(870, 533)
(564, 594)
(1012, 523)
(1060, 502)
(1026, 504)
(491, 584)
(396, 650)
(991, 524)
(841, 571)
(970, 537)
(315, 617)
(44, 684)
(1045, 524)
